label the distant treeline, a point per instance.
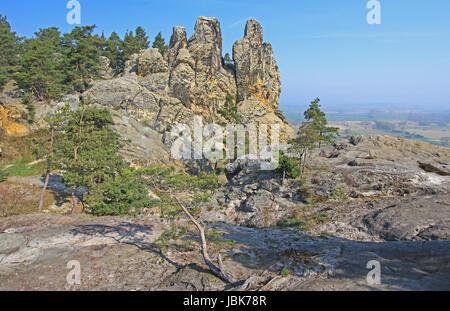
(51, 64)
(423, 118)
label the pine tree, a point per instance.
(304, 143)
(82, 52)
(288, 167)
(40, 67)
(160, 43)
(123, 194)
(130, 46)
(88, 153)
(142, 38)
(114, 52)
(313, 132)
(45, 145)
(318, 118)
(10, 47)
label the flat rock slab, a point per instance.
(426, 218)
(117, 253)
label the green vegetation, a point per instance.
(174, 233)
(320, 218)
(317, 118)
(166, 182)
(313, 132)
(168, 177)
(51, 64)
(81, 144)
(131, 44)
(27, 101)
(22, 168)
(229, 111)
(3, 175)
(288, 167)
(339, 194)
(160, 43)
(285, 272)
(293, 223)
(10, 46)
(123, 194)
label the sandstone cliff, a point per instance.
(13, 117)
(157, 91)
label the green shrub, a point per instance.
(293, 223)
(27, 100)
(230, 111)
(285, 272)
(339, 194)
(124, 195)
(289, 167)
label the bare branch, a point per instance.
(218, 271)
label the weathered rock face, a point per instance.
(258, 80)
(258, 198)
(257, 73)
(193, 72)
(106, 71)
(142, 117)
(426, 218)
(212, 82)
(13, 117)
(191, 79)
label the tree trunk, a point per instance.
(284, 176)
(304, 161)
(47, 174)
(320, 139)
(74, 201)
(41, 198)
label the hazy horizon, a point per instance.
(324, 48)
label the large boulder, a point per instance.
(141, 117)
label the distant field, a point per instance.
(430, 128)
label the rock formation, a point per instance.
(191, 79)
(13, 117)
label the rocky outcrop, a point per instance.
(106, 71)
(257, 73)
(142, 117)
(124, 254)
(13, 117)
(191, 79)
(421, 219)
(258, 198)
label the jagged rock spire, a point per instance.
(257, 73)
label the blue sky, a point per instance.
(325, 48)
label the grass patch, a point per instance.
(21, 199)
(293, 223)
(22, 169)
